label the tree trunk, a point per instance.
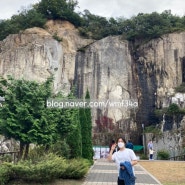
(21, 150)
(26, 151)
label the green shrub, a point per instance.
(6, 158)
(76, 169)
(152, 129)
(180, 88)
(143, 156)
(4, 174)
(61, 148)
(163, 155)
(36, 153)
(56, 37)
(47, 169)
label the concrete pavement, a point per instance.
(104, 172)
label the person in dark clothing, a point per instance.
(129, 145)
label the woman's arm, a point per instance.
(133, 162)
(111, 152)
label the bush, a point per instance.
(163, 155)
(45, 169)
(48, 168)
(4, 174)
(143, 157)
(61, 148)
(180, 88)
(76, 169)
(56, 37)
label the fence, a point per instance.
(178, 158)
(14, 155)
(101, 151)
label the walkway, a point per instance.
(105, 173)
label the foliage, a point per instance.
(142, 27)
(36, 153)
(74, 138)
(143, 157)
(25, 19)
(56, 37)
(4, 174)
(180, 88)
(152, 129)
(154, 25)
(163, 155)
(95, 27)
(45, 169)
(86, 131)
(60, 9)
(76, 168)
(61, 148)
(104, 123)
(173, 109)
(23, 115)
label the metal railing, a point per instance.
(14, 155)
(178, 158)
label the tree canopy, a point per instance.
(142, 26)
(25, 117)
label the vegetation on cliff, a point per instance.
(143, 26)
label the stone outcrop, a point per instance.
(111, 68)
(159, 68)
(104, 68)
(34, 54)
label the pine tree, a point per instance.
(86, 131)
(74, 138)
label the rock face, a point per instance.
(104, 68)
(110, 68)
(33, 55)
(159, 68)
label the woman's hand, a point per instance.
(122, 167)
(113, 147)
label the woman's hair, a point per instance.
(122, 139)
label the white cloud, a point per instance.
(11, 7)
(128, 8)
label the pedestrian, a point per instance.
(151, 153)
(129, 145)
(150, 144)
(125, 159)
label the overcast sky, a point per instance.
(105, 8)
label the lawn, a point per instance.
(167, 172)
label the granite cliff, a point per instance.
(110, 68)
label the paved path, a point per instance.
(105, 173)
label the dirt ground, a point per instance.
(167, 172)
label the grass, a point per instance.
(167, 172)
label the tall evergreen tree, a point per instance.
(86, 130)
(74, 138)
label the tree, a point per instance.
(59, 9)
(24, 115)
(86, 131)
(74, 138)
